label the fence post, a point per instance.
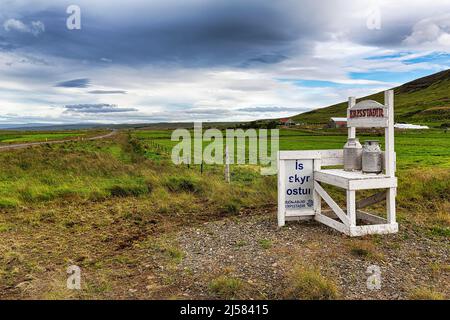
(227, 165)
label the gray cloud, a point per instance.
(107, 92)
(265, 59)
(189, 33)
(96, 108)
(75, 83)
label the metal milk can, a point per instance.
(352, 155)
(371, 157)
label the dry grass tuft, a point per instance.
(364, 249)
(310, 284)
(226, 287)
(425, 294)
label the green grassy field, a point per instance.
(423, 148)
(20, 137)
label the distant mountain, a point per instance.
(422, 101)
(81, 126)
(48, 127)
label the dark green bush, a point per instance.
(183, 184)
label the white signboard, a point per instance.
(299, 184)
(296, 184)
(367, 114)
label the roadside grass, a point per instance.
(265, 243)
(425, 294)
(309, 284)
(364, 249)
(227, 287)
(95, 170)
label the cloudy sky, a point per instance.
(209, 60)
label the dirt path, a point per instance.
(30, 144)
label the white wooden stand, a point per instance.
(346, 221)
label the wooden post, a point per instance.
(281, 196)
(390, 205)
(389, 134)
(390, 156)
(227, 165)
(317, 199)
(351, 130)
(351, 207)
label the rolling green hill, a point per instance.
(422, 101)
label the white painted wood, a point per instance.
(299, 213)
(390, 205)
(284, 156)
(332, 157)
(368, 104)
(304, 154)
(333, 153)
(316, 197)
(357, 231)
(351, 207)
(281, 196)
(389, 134)
(369, 184)
(352, 175)
(333, 205)
(368, 122)
(332, 223)
(334, 180)
(354, 180)
(351, 130)
(299, 218)
(328, 157)
(362, 215)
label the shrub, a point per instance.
(310, 285)
(226, 287)
(8, 203)
(365, 249)
(125, 191)
(265, 243)
(183, 184)
(425, 294)
(232, 207)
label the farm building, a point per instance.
(287, 122)
(337, 122)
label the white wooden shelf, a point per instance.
(354, 180)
